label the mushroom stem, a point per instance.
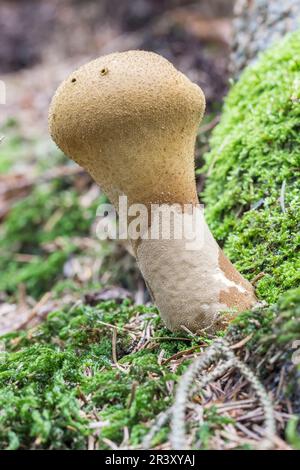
(192, 282)
(134, 129)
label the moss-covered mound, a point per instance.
(252, 192)
(252, 203)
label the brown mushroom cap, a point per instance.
(127, 118)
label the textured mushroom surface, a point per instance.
(131, 120)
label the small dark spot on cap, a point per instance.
(104, 71)
(73, 80)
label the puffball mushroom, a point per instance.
(131, 120)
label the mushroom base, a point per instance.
(192, 283)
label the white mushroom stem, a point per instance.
(191, 281)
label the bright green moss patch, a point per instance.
(59, 380)
(252, 192)
(277, 324)
(59, 383)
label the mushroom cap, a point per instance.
(129, 112)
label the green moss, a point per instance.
(278, 323)
(252, 204)
(254, 164)
(272, 346)
(59, 378)
(292, 434)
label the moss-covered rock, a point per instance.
(252, 193)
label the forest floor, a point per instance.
(74, 312)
